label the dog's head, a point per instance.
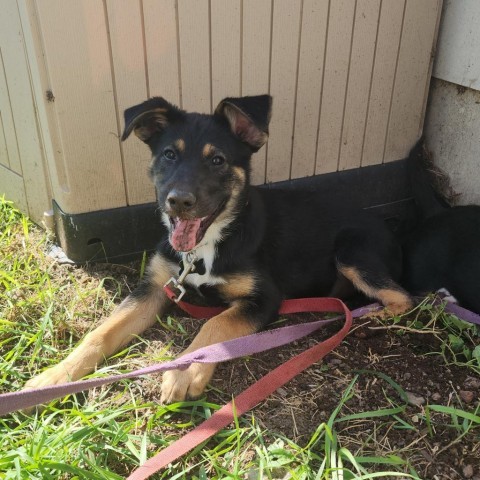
(200, 163)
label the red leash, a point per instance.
(259, 390)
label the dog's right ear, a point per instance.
(150, 117)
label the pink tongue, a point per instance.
(184, 235)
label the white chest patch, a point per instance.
(207, 254)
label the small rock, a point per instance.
(335, 361)
(282, 392)
(472, 382)
(253, 474)
(467, 471)
(413, 399)
(360, 333)
(466, 395)
(407, 376)
(436, 397)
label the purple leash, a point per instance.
(462, 313)
(220, 352)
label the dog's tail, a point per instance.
(421, 175)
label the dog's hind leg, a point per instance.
(372, 262)
(378, 286)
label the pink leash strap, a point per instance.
(259, 390)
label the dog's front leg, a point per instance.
(177, 385)
(134, 315)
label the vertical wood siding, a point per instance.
(349, 80)
(382, 81)
(23, 177)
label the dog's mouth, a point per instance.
(186, 234)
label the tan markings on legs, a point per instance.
(160, 270)
(177, 385)
(395, 299)
(180, 145)
(237, 285)
(129, 319)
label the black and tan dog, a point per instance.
(252, 247)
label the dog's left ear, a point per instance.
(248, 118)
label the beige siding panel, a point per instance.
(27, 138)
(334, 85)
(11, 186)
(226, 41)
(256, 30)
(195, 63)
(388, 41)
(310, 76)
(256, 33)
(48, 127)
(79, 64)
(160, 19)
(9, 156)
(128, 56)
(283, 79)
(361, 64)
(4, 157)
(348, 89)
(12, 72)
(413, 77)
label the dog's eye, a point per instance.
(218, 160)
(170, 154)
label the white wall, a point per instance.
(452, 129)
(452, 125)
(458, 50)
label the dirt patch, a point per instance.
(375, 356)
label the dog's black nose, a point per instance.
(180, 200)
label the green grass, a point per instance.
(104, 434)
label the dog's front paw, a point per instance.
(179, 385)
(51, 376)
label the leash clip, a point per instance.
(188, 267)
